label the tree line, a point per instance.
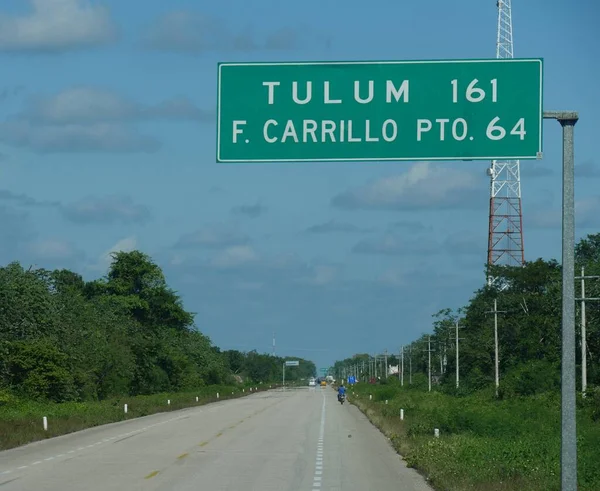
(66, 339)
(529, 331)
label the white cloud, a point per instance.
(75, 138)
(423, 186)
(127, 244)
(393, 278)
(193, 32)
(211, 237)
(108, 209)
(80, 105)
(586, 215)
(248, 285)
(587, 169)
(323, 274)
(57, 25)
(333, 226)
(543, 218)
(16, 230)
(586, 212)
(251, 211)
(396, 245)
(52, 249)
(235, 256)
(92, 104)
(466, 243)
(82, 119)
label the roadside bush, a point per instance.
(533, 377)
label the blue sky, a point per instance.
(107, 131)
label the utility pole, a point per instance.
(456, 328)
(496, 348)
(583, 336)
(273, 343)
(402, 362)
(375, 364)
(386, 363)
(429, 364)
(583, 300)
(429, 350)
(410, 365)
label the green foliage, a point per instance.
(20, 419)
(488, 442)
(127, 334)
(484, 443)
(531, 378)
(39, 370)
(529, 332)
(260, 368)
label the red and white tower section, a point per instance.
(505, 238)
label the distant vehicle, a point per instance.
(323, 383)
(312, 382)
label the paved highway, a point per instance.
(293, 440)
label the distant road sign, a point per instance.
(380, 110)
(323, 370)
(294, 363)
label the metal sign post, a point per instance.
(568, 453)
(291, 363)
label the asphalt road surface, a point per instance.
(293, 440)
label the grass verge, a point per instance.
(21, 420)
(485, 444)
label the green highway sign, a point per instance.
(380, 110)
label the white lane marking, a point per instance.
(97, 443)
(319, 460)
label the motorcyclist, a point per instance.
(341, 391)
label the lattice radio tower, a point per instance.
(505, 238)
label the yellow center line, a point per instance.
(203, 444)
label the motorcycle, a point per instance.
(341, 398)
